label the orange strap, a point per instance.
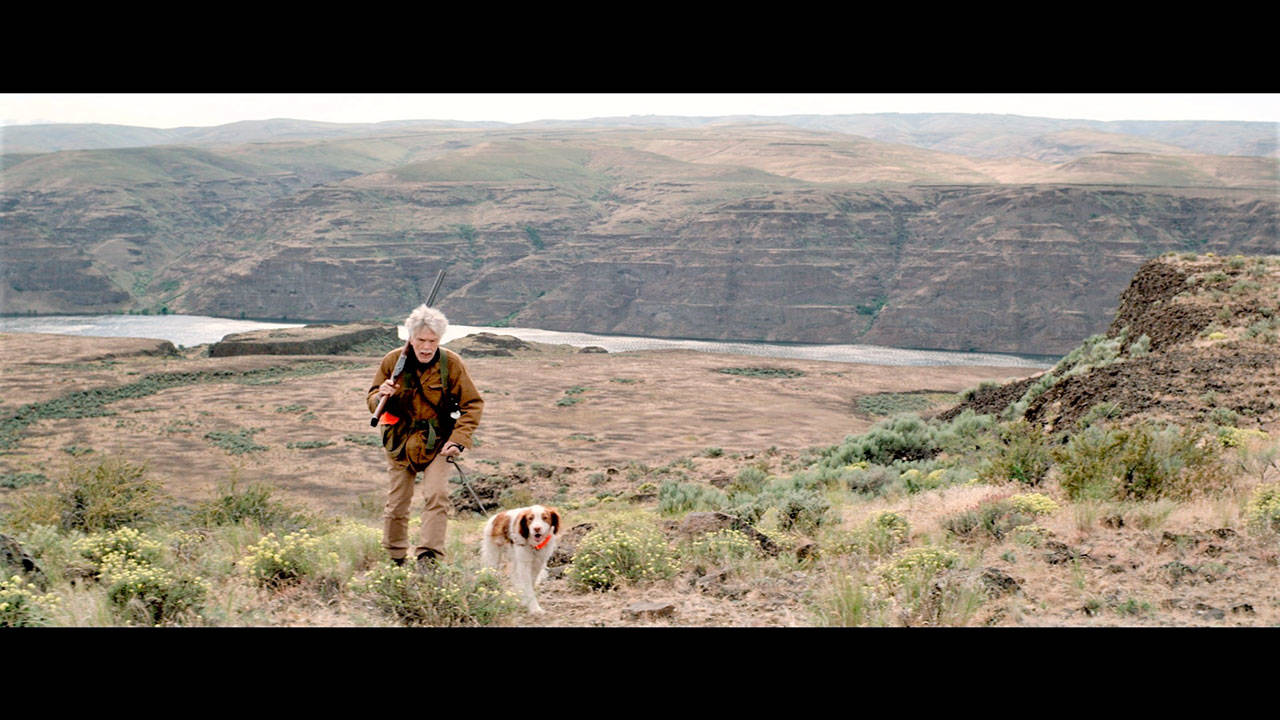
(545, 540)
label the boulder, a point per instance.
(998, 582)
(13, 555)
(649, 610)
(700, 523)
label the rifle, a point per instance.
(404, 354)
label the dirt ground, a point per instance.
(649, 407)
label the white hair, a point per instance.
(426, 317)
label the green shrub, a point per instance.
(994, 518)
(275, 562)
(848, 602)
(1140, 347)
(350, 547)
(916, 565)
(801, 510)
(1033, 504)
(750, 479)
(916, 481)
(871, 480)
(21, 480)
(111, 494)
(890, 403)
(1022, 456)
(966, 431)
(118, 545)
(22, 605)
(151, 595)
(1262, 512)
(234, 504)
(35, 509)
(445, 596)
(675, 498)
(905, 437)
(644, 489)
(881, 534)
(798, 503)
(1100, 412)
(768, 372)
(369, 439)
(720, 547)
(890, 525)
(1243, 437)
(610, 556)
(238, 442)
(1140, 463)
(1225, 417)
(1030, 535)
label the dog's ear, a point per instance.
(524, 525)
(555, 520)
(501, 525)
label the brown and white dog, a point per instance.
(526, 537)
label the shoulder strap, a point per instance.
(444, 377)
(447, 403)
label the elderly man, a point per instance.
(426, 420)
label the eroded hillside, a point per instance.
(756, 232)
(1195, 340)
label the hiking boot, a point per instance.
(398, 562)
(427, 560)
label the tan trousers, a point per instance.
(435, 490)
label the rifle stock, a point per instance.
(404, 354)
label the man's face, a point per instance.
(425, 343)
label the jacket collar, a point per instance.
(419, 364)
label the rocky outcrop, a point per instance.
(1194, 340)
(309, 340)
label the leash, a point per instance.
(453, 459)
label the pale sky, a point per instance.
(160, 110)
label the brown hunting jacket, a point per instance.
(419, 392)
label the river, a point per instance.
(191, 330)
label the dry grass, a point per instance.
(1116, 571)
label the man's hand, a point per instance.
(452, 449)
(388, 388)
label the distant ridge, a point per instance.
(59, 137)
(975, 135)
